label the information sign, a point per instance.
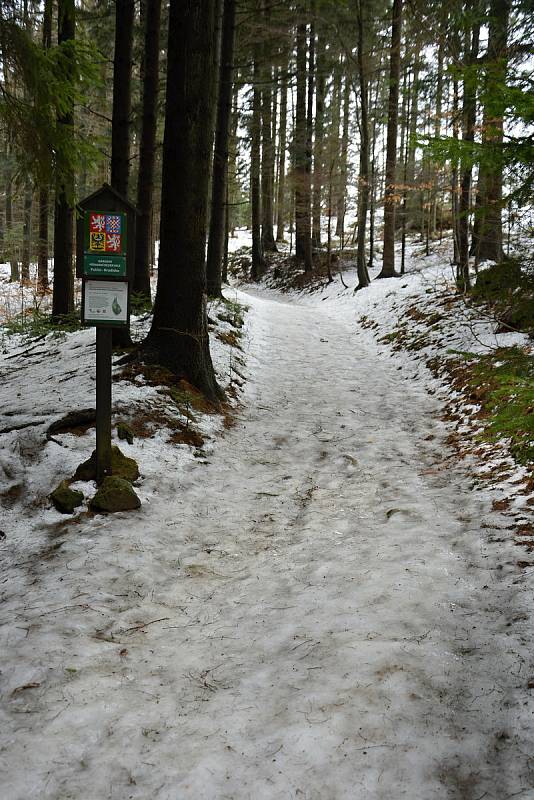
(105, 302)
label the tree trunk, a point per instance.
(63, 292)
(44, 194)
(255, 172)
(318, 152)
(469, 120)
(120, 127)
(388, 262)
(27, 232)
(267, 149)
(147, 148)
(363, 181)
(178, 338)
(282, 143)
(342, 189)
(122, 73)
(13, 262)
(303, 250)
(490, 172)
(219, 186)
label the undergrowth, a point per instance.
(503, 384)
(34, 322)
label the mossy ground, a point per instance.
(502, 383)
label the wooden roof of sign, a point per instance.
(109, 196)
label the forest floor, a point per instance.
(321, 600)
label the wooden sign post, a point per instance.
(105, 257)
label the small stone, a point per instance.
(115, 494)
(121, 467)
(124, 432)
(65, 499)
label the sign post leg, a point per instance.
(103, 403)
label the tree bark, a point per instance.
(303, 248)
(255, 172)
(217, 231)
(147, 148)
(469, 120)
(388, 262)
(44, 194)
(267, 149)
(490, 171)
(363, 181)
(27, 232)
(282, 144)
(122, 73)
(342, 188)
(63, 291)
(318, 152)
(178, 338)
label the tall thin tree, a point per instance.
(388, 260)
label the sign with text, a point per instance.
(105, 302)
(95, 265)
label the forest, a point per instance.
(298, 561)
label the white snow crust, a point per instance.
(315, 609)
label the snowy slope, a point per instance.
(317, 608)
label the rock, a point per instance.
(125, 432)
(121, 467)
(115, 494)
(73, 421)
(65, 499)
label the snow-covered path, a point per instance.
(329, 618)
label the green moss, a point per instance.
(65, 499)
(115, 494)
(508, 288)
(507, 375)
(125, 433)
(121, 467)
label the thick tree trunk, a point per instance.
(147, 148)
(469, 120)
(490, 174)
(178, 338)
(282, 143)
(63, 293)
(122, 73)
(219, 185)
(120, 128)
(388, 262)
(303, 248)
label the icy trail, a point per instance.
(330, 618)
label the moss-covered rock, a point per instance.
(115, 494)
(65, 499)
(125, 433)
(121, 467)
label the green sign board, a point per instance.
(102, 265)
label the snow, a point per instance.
(317, 606)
